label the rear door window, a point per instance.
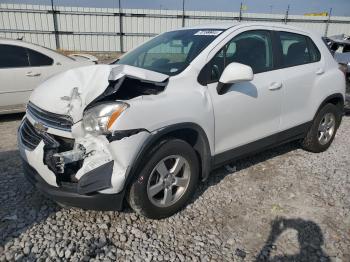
(297, 49)
(13, 56)
(39, 59)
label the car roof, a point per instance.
(39, 48)
(229, 25)
(18, 42)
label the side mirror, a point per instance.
(234, 73)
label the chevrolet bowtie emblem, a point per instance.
(40, 127)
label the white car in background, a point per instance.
(23, 66)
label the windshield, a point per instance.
(171, 52)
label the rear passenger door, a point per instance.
(15, 85)
(301, 67)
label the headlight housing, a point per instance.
(99, 119)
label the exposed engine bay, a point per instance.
(127, 88)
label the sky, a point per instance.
(340, 7)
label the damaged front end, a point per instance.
(86, 156)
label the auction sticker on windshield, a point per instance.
(208, 32)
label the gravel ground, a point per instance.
(281, 205)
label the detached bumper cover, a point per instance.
(68, 194)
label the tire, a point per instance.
(171, 155)
(312, 142)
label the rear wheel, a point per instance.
(166, 181)
(323, 129)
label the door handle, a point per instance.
(31, 74)
(275, 86)
(319, 71)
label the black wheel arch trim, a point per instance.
(329, 98)
(201, 146)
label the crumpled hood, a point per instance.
(69, 93)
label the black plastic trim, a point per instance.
(262, 144)
(96, 179)
(329, 98)
(201, 146)
(69, 196)
(120, 134)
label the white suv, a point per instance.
(149, 126)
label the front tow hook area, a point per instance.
(62, 159)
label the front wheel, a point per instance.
(167, 180)
(323, 129)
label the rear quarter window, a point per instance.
(38, 59)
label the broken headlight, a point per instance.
(100, 119)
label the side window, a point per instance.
(297, 49)
(315, 54)
(13, 56)
(38, 59)
(253, 48)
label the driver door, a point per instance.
(249, 111)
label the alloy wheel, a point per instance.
(168, 181)
(326, 128)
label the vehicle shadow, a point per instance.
(220, 173)
(21, 206)
(11, 117)
(310, 240)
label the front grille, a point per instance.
(28, 135)
(56, 121)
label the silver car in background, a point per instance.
(23, 66)
(340, 47)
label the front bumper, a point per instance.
(96, 181)
(68, 194)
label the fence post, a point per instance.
(121, 43)
(286, 16)
(328, 21)
(240, 12)
(183, 13)
(54, 17)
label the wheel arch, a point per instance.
(190, 132)
(335, 99)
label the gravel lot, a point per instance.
(281, 205)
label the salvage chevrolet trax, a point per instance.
(147, 128)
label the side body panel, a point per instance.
(306, 86)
